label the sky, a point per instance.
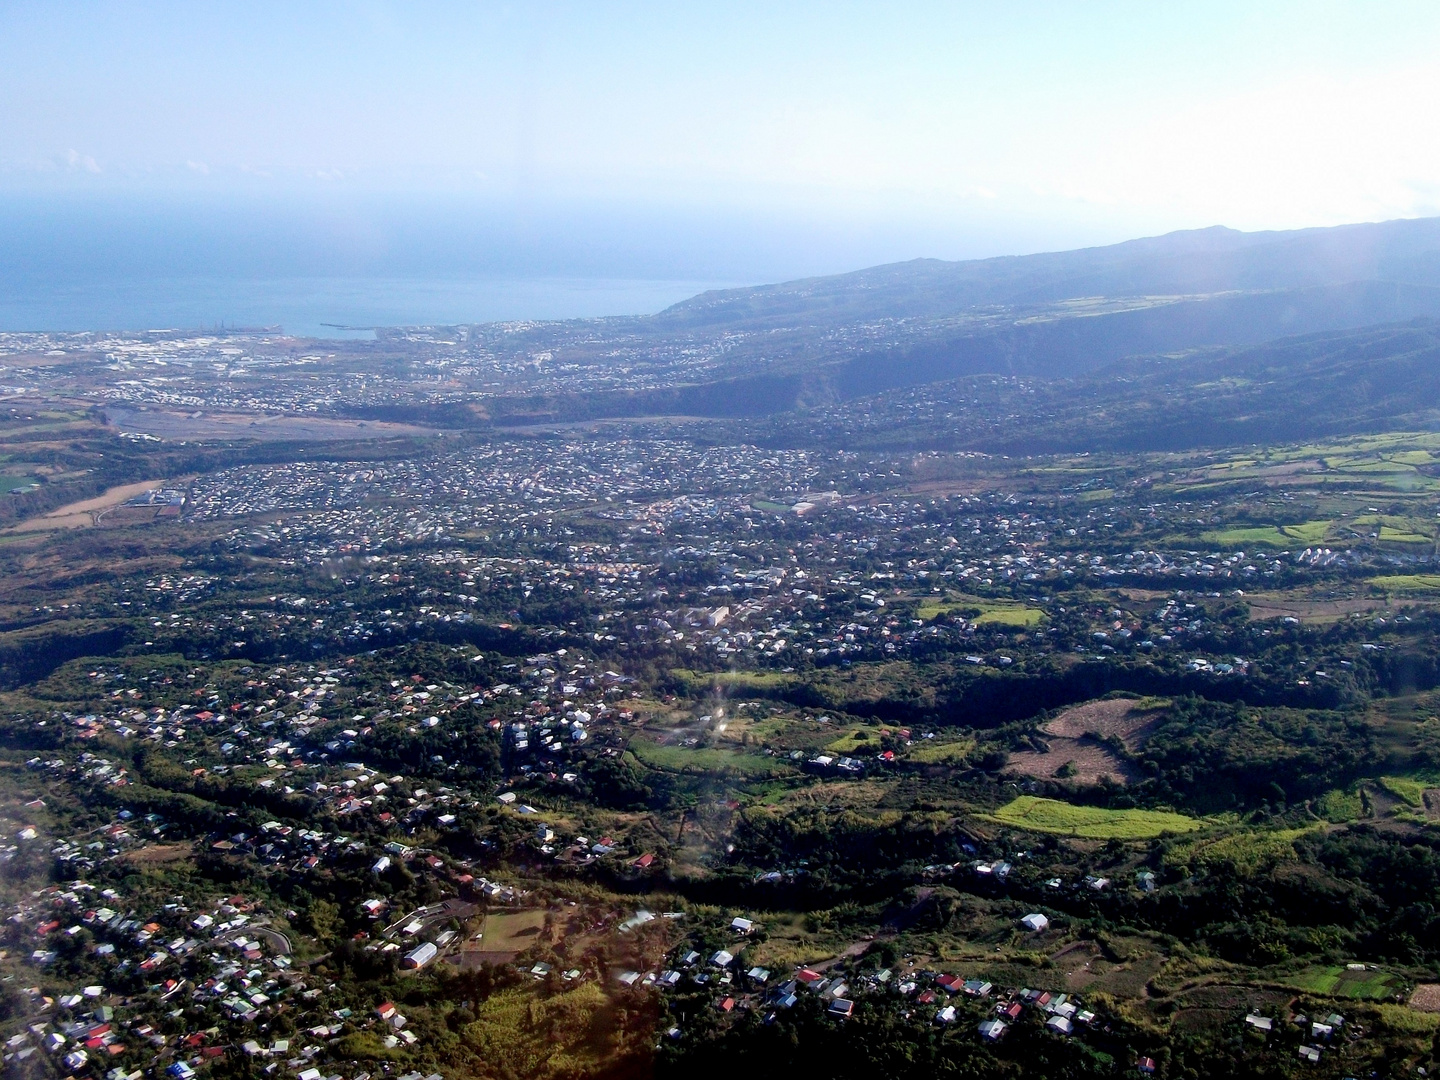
(691, 140)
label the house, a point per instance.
(1310, 1054)
(1060, 1025)
(946, 1015)
(726, 1005)
(991, 1030)
(842, 1008)
(1035, 922)
(1259, 1023)
(644, 861)
(722, 959)
(1145, 881)
(741, 926)
(1145, 1065)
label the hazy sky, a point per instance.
(867, 130)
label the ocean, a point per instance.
(322, 307)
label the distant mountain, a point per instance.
(1194, 262)
(822, 341)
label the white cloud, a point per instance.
(81, 162)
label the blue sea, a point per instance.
(330, 307)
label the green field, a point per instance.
(1336, 981)
(933, 752)
(1091, 822)
(1246, 851)
(984, 612)
(1399, 536)
(1307, 532)
(1402, 787)
(857, 739)
(11, 483)
(1407, 583)
(706, 760)
(1010, 616)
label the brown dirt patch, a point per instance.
(86, 512)
(1120, 717)
(1084, 760)
(1313, 611)
(158, 855)
(1079, 962)
(1426, 997)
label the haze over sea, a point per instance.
(326, 307)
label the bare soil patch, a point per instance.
(1313, 611)
(158, 855)
(1118, 716)
(87, 512)
(1079, 761)
(1426, 997)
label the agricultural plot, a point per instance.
(708, 760)
(1344, 982)
(1091, 822)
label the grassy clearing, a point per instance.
(731, 680)
(1244, 852)
(980, 610)
(1418, 583)
(1309, 532)
(941, 753)
(11, 483)
(855, 739)
(1050, 815)
(520, 1033)
(1404, 788)
(512, 931)
(1280, 536)
(1010, 616)
(1268, 535)
(1340, 982)
(1339, 807)
(1399, 536)
(683, 759)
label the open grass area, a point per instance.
(934, 752)
(684, 759)
(856, 739)
(1267, 535)
(1010, 616)
(512, 931)
(1405, 789)
(731, 680)
(1244, 852)
(1341, 982)
(1339, 806)
(1279, 536)
(11, 483)
(1399, 536)
(520, 1033)
(1416, 583)
(1091, 822)
(983, 612)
